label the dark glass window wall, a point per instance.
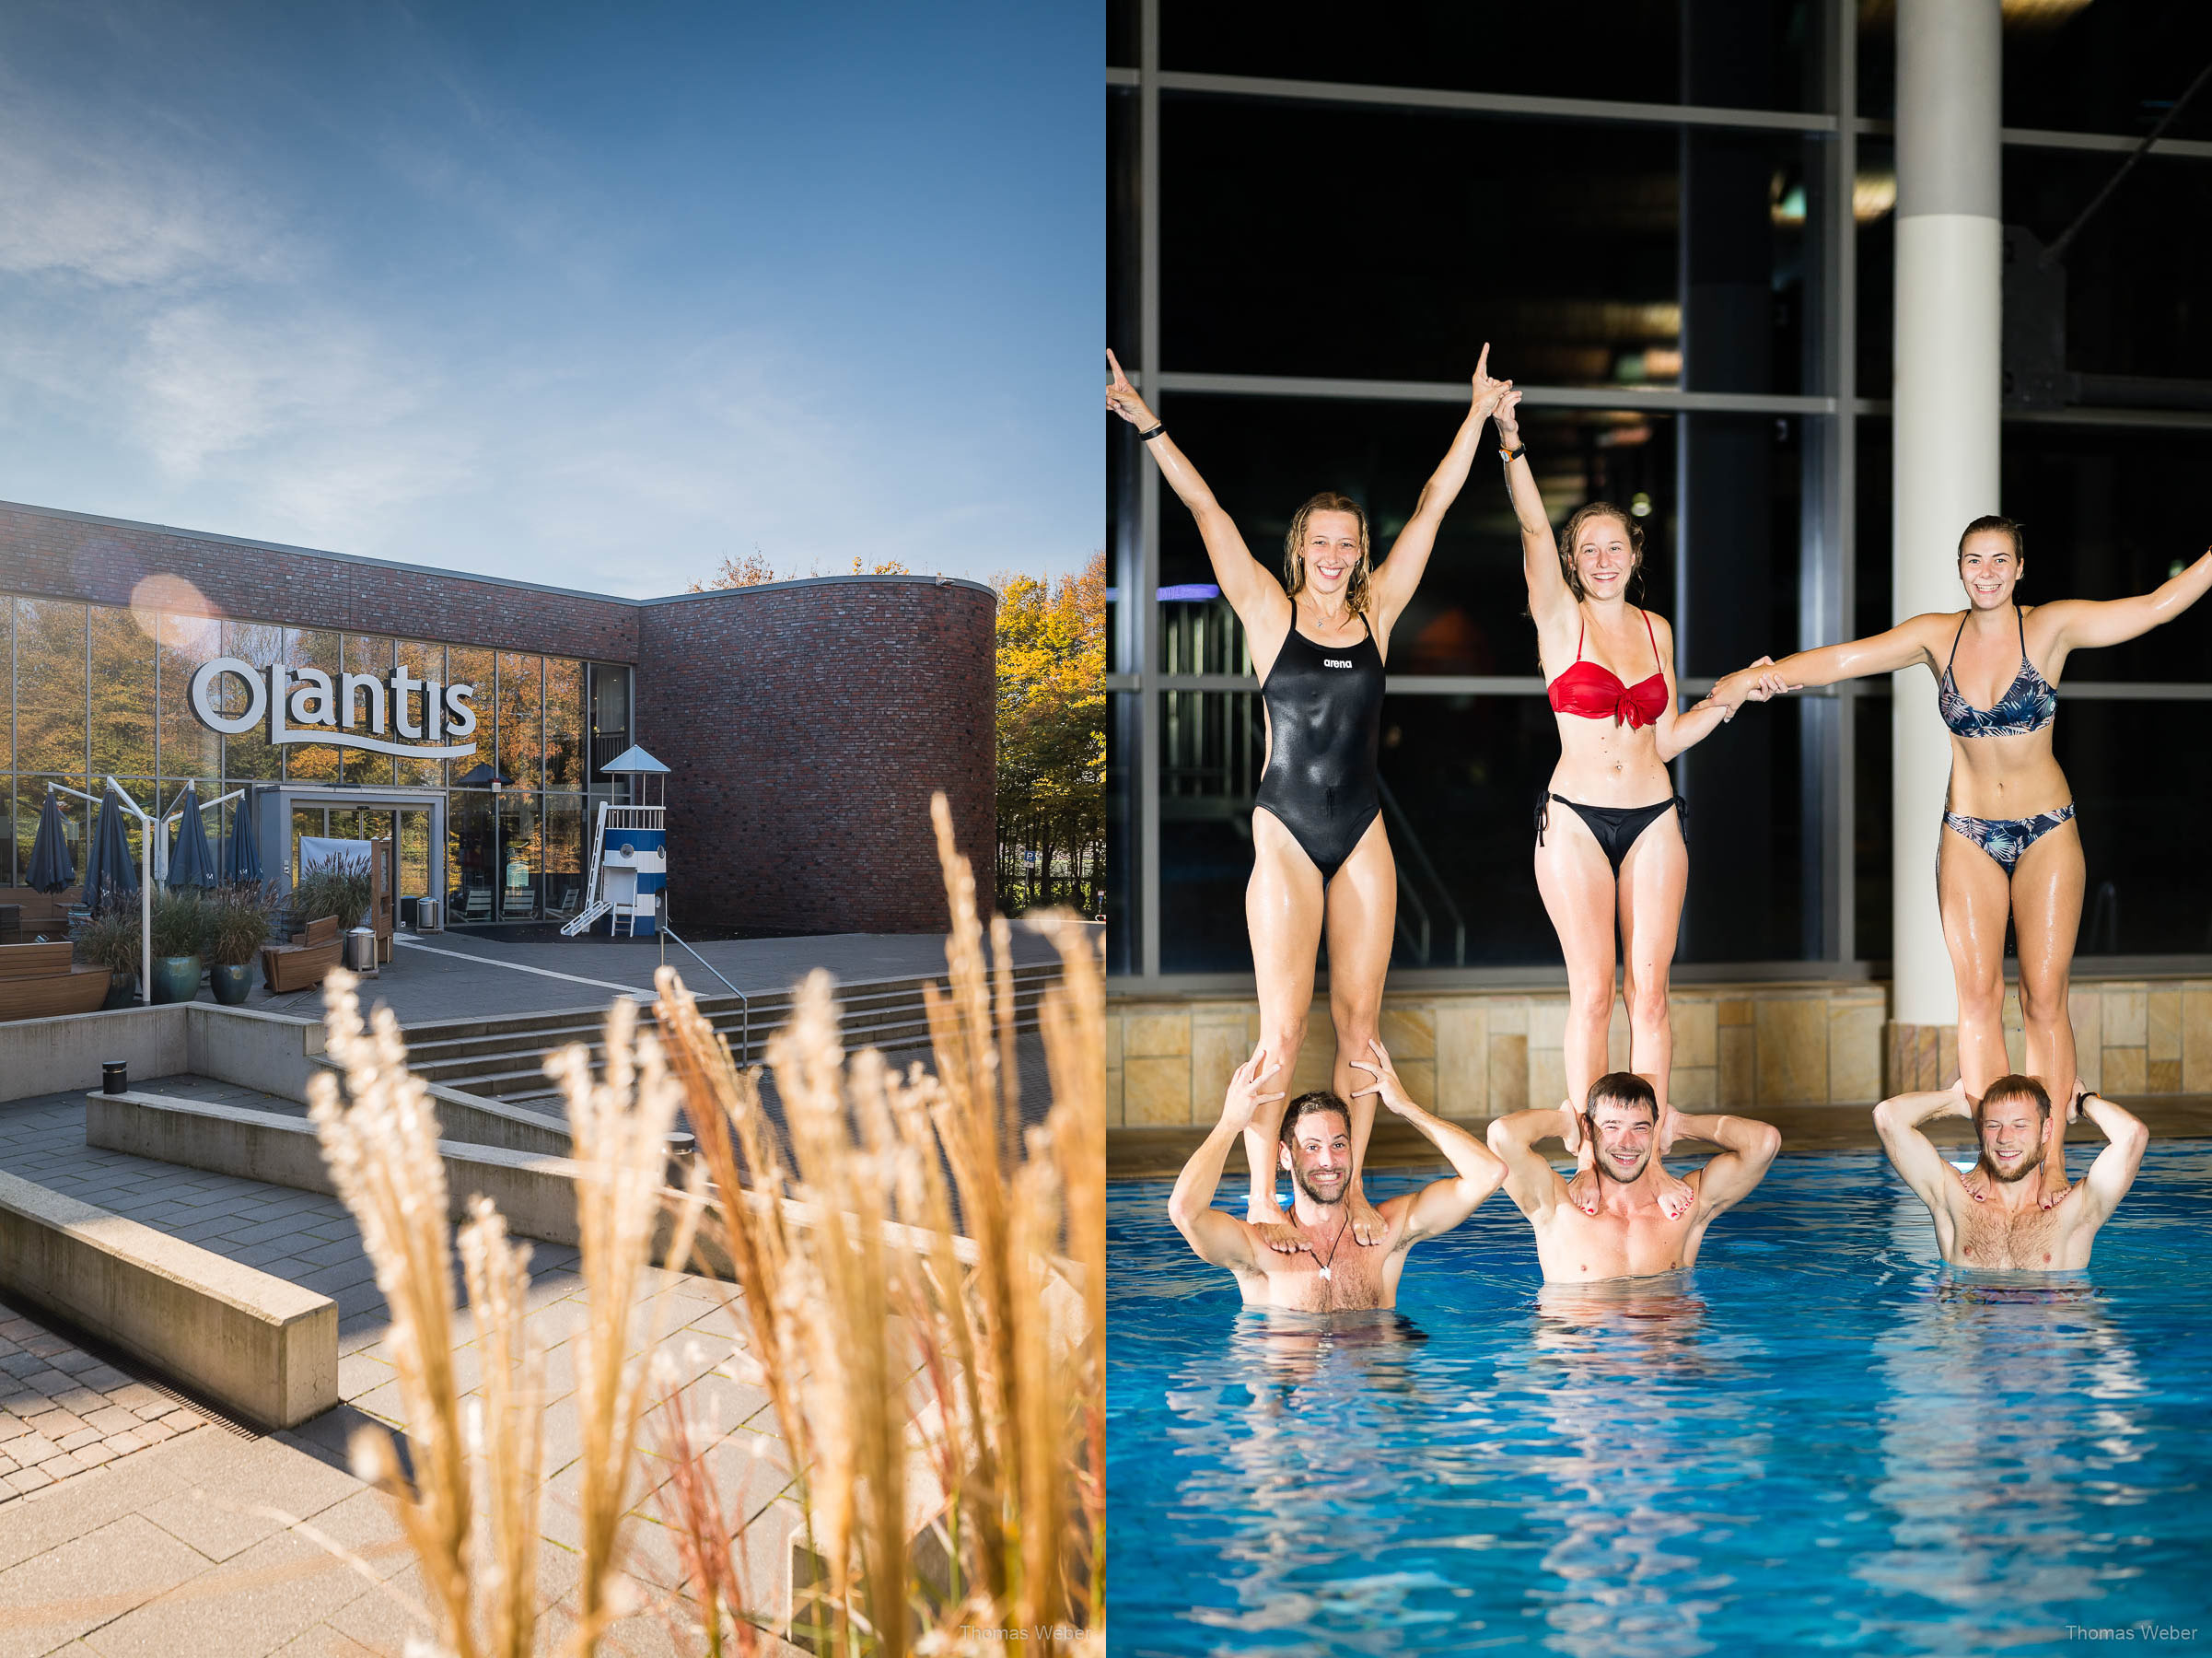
(1330, 262)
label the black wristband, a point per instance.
(1156, 431)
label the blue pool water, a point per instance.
(1819, 1440)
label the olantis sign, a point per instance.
(304, 705)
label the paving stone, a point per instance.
(87, 1581)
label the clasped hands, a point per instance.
(1757, 682)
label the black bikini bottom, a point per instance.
(1616, 827)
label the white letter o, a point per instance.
(203, 699)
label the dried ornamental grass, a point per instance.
(880, 1329)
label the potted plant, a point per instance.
(237, 927)
(179, 926)
(109, 940)
(329, 888)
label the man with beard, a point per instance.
(1325, 1270)
(1633, 1234)
(2006, 1225)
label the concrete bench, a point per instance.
(263, 1350)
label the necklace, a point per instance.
(1338, 1239)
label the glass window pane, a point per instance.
(2133, 278)
(1243, 292)
(565, 756)
(471, 853)
(7, 834)
(7, 680)
(521, 855)
(413, 831)
(51, 704)
(304, 647)
(188, 749)
(465, 665)
(610, 717)
(1740, 54)
(424, 663)
(2119, 756)
(123, 656)
(564, 853)
(371, 655)
(522, 719)
(247, 756)
(1121, 33)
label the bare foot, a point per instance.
(1675, 1196)
(2053, 1184)
(1275, 1228)
(1583, 1191)
(1368, 1227)
(1976, 1182)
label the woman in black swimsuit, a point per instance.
(1320, 856)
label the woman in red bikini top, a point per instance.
(1614, 859)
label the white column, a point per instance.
(1948, 383)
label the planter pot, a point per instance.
(230, 982)
(122, 991)
(176, 978)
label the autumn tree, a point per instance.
(1052, 739)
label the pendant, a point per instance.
(1324, 1272)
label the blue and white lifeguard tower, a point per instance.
(629, 851)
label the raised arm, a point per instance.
(1530, 1180)
(1911, 1153)
(2085, 623)
(1442, 1204)
(1215, 1236)
(1911, 641)
(2114, 1170)
(1747, 1151)
(1548, 591)
(1256, 596)
(1399, 574)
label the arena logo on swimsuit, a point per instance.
(1335, 662)
(304, 705)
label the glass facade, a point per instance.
(95, 691)
(1680, 248)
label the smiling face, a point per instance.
(1989, 568)
(1603, 556)
(2012, 1136)
(1621, 1133)
(1318, 1152)
(1331, 549)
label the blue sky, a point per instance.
(592, 295)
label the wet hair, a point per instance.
(1989, 522)
(1583, 515)
(1623, 1088)
(2005, 1090)
(1294, 549)
(1306, 1106)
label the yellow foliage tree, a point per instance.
(1052, 739)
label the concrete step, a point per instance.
(503, 1057)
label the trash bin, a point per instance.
(425, 914)
(361, 952)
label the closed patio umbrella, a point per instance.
(52, 868)
(192, 861)
(111, 874)
(242, 853)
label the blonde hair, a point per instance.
(1294, 549)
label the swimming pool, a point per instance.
(1819, 1440)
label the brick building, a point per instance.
(804, 723)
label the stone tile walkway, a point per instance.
(63, 1411)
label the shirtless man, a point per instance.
(1631, 1234)
(2007, 1226)
(1328, 1270)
